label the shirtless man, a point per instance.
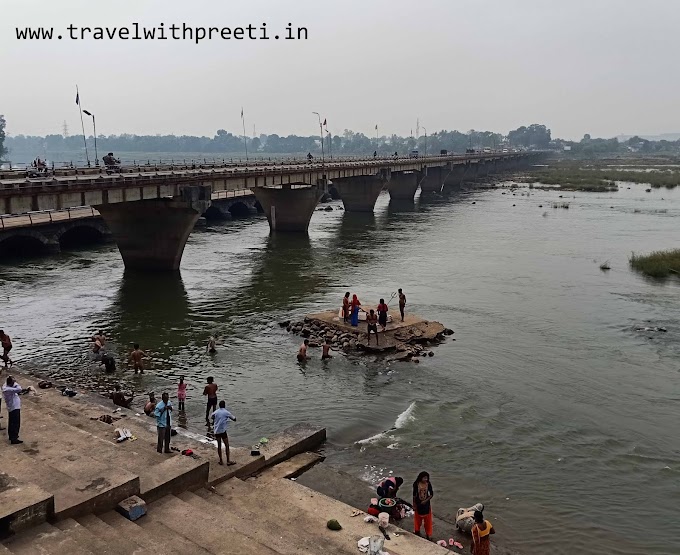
(211, 391)
(326, 350)
(211, 346)
(302, 353)
(136, 358)
(402, 303)
(372, 321)
(150, 404)
(119, 398)
(100, 337)
(6, 343)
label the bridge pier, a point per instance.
(403, 185)
(454, 178)
(359, 193)
(151, 234)
(288, 209)
(471, 171)
(433, 180)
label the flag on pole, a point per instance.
(77, 98)
(376, 126)
(324, 121)
(241, 112)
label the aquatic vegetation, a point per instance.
(605, 266)
(564, 205)
(658, 264)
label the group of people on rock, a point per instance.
(389, 502)
(374, 318)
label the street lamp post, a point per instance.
(424, 129)
(323, 156)
(94, 130)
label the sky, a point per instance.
(604, 67)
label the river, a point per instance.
(549, 407)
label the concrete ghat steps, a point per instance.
(175, 542)
(265, 526)
(149, 542)
(320, 509)
(122, 544)
(46, 539)
(205, 529)
(84, 537)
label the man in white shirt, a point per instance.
(10, 391)
(221, 418)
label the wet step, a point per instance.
(204, 529)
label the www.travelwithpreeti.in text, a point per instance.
(175, 31)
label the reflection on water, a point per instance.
(549, 403)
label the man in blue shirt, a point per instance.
(162, 414)
(221, 418)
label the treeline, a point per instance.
(589, 147)
(224, 142)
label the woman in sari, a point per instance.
(481, 535)
(355, 310)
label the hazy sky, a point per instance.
(603, 67)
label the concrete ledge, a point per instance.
(174, 475)
(292, 441)
(94, 494)
(22, 505)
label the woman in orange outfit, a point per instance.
(422, 494)
(481, 535)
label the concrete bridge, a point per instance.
(150, 214)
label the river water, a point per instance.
(549, 407)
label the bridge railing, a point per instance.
(8, 221)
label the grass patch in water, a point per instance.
(575, 178)
(659, 264)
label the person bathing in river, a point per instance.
(6, 344)
(481, 535)
(181, 393)
(422, 494)
(355, 310)
(119, 398)
(302, 353)
(402, 303)
(136, 358)
(389, 486)
(372, 322)
(150, 404)
(211, 391)
(211, 346)
(345, 308)
(382, 314)
(326, 350)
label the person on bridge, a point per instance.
(375, 154)
(355, 310)
(110, 162)
(309, 157)
(136, 357)
(402, 303)
(6, 344)
(345, 308)
(382, 314)
(372, 321)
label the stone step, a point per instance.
(320, 508)
(22, 504)
(205, 529)
(123, 544)
(86, 538)
(253, 501)
(45, 539)
(290, 468)
(41, 473)
(150, 542)
(264, 527)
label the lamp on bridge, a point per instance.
(323, 157)
(94, 130)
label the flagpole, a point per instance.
(245, 138)
(82, 125)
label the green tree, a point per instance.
(3, 150)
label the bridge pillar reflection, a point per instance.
(151, 234)
(359, 193)
(403, 185)
(288, 209)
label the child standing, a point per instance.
(181, 393)
(422, 493)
